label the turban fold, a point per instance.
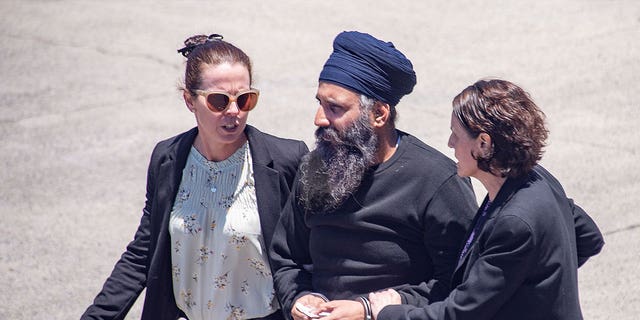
(369, 66)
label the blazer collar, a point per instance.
(507, 191)
(259, 149)
(179, 150)
(268, 185)
(170, 172)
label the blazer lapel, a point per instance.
(462, 259)
(508, 189)
(166, 181)
(169, 177)
(267, 182)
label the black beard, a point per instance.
(334, 170)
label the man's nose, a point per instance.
(321, 119)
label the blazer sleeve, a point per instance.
(290, 257)
(508, 253)
(129, 275)
(589, 240)
(448, 217)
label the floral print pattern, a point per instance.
(219, 266)
(260, 267)
(222, 281)
(204, 255)
(238, 239)
(191, 224)
(244, 287)
(235, 313)
(188, 298)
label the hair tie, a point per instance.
(195, 41)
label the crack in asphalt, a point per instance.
(623, 229)
(101, 50)
(81, 108)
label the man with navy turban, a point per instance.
(373, 207)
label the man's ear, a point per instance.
(188, 100)
(381, 112)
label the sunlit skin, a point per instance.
(382, 299)
(339, 107)
(464, 147)
(220, 134)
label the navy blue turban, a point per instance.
(364, 64)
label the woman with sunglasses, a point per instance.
(214, 194)
(528, 239)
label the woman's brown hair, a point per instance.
(209, 50)
(510, 117)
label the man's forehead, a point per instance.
(331, 91)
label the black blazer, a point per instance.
(524, 262)
(147, 260)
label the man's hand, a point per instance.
(342, 309)
(309, 301)
(382, 299)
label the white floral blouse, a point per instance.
(220, 268)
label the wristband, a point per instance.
(320, 295)
(367, 308)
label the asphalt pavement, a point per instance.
(88, 87)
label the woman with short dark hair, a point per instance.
(528, 239)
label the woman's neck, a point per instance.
(492, 183)
(217, 151)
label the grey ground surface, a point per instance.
(88, 87)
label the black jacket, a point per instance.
(524, 262)
(147, 260)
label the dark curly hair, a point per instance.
(513, 121)
(211, 50)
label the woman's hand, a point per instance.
(382, 299)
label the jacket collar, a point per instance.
(259, 150)
(507, 191)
